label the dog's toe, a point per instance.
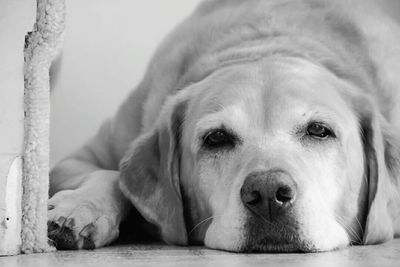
(61, 236)
(87, 234)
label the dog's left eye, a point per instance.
(318, 130)
(218, 138)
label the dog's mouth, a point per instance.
(275, 237)
(273, 245)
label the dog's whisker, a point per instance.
(350, 229)
(361, 228)
(200, 223)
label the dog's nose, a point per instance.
(268, 193)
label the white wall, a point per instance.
(107, 47)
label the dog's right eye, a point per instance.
(319, 131)
(218, 138)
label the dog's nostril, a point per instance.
(250, 197)
(254, 198)
(284, 194)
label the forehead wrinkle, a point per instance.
(328, 105)
(236, 85)
(232, 117)
(296, 90)
(219, 90)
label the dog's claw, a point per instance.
(70, 223)
(87, 231)
(61, 221)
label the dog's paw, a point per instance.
(78, 220)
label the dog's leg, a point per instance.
(86, 204)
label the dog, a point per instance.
(260, 126)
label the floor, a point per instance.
(160, 255)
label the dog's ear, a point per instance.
(150, 174)
(382, 155)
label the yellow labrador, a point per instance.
(261, 125)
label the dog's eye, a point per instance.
(318, 130)
(218, 138)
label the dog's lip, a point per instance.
(268, 245)
(284, 237)
(272, 248)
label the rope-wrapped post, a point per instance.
(42, 46)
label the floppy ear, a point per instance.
(382, 155)
(150, 174)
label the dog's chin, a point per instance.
(277, 239)
(267, 245)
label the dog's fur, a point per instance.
(263, 70)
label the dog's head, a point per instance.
(266, 156)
